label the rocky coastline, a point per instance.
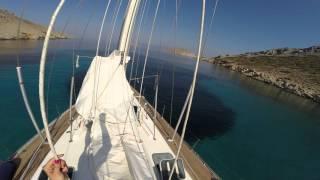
(181, 52)
(298, 74)
(9, 24)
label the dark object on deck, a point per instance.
(164, 163)
(8, 168)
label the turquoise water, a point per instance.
(243, 129)
(270, 138)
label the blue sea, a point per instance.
(242, 128)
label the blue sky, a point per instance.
(239, 26)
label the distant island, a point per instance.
(28, 30)
(296, 70)
(181, 52)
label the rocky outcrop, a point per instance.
(181, 52)
(298, 75)
(9, 23)
(312, 50)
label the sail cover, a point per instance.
(106, 98)
(104, 88)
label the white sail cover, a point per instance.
(104, 87)
(106, 98)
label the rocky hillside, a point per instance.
(28, 31)
(312, 50)
(299, 74)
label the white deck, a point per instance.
(100, 154)
(117, 146)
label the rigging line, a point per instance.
(18, 34)
(174, 22)
(172, 95)
(30, 162)
(112, 20)
(145, 77)
(148, 48)
(175, 39)
(155, 107)
(210, 27)
(133, 131)
(81, 40)
(113, 26)
(55, 54)
(98, 63)
(192, 87)
(26, 102)
(127, 115)
(95, 84)
(138, 37)
(163, 110)
(42, 75)
(140, 48)
(90, 57)
(161, 25)
(85, 29)
(95, 88)
(71, 95)
(21, 82)
(136, 70)
(181, 115)
(101, 28)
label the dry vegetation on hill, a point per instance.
(28, 30)
(297, 74)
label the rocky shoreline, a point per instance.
(296, 74)
(9, 24)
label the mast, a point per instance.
(128, 27)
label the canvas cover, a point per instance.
(106, 98)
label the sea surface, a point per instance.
(242, 128)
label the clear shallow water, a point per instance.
(243, 129)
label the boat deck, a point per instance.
(193, 163)
(35, 148)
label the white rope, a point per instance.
(172, 96)
(70, 105)
(26, 103)
(145, 77)
(90, 57)
(42, 76)
(101, 28)
(139, 52)
(148, 47)
(138, 37)
(33, 157)
(181, 115)
(97, 65)
(77, 62)
(155, 107)
(210, 26)
(192, 88)
(175, 34)
(113, 26)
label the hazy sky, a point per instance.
(239, 25)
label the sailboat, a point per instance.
(112, 131)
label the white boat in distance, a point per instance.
(112, 131)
